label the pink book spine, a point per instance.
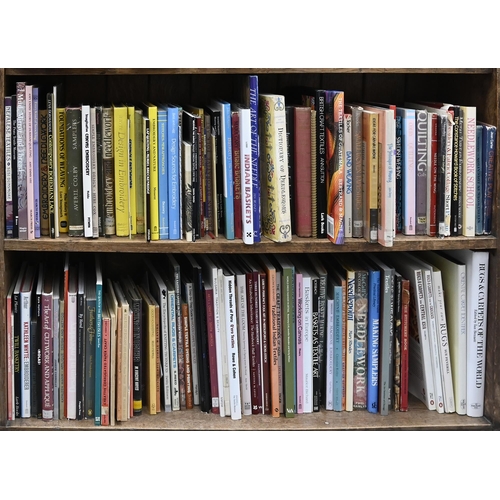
(299, 304)
(106, 326)
(30, 173)
(47, 358)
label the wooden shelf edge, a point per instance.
(220, 245)
(194, 420)
(232, 71)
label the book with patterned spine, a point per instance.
(276, 215)
(347, 175)
(62, 202)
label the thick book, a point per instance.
(469, 171)
(43, 167)
(121, 170)
(36, 159)
(139, 171)
(132, 167)
(477, 264)
(347, 175)
(80, 342)
(176, 350)
(113, 345)
(71, 318)
(22, 175)
(62, 202)
(334, 163)
(74, 169)
(9, 208)
(47, 344)
(276, 215)
(187, 356)
(187, 191)
(302, 173)
(421, 126)
(489, 160)
(235, 138)
(290, 159)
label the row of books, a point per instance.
(276, 334)
(323, 168)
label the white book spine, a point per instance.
(244, 353)
(218, 340)
(409, 177)
(348, 175)
(232, 348)
(444, 348)
(223, 339)
(433, 337)
(307, 345)
(86, 172)
(93, 158)
(246, 176)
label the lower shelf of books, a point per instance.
(418, 417)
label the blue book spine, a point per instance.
(337, 348)
(98, 354)
(254, 140)
(162, 174)
(228, 171)
(479, 177)
(373, 339)
(489, 157)
(174, 193)
(36, 162)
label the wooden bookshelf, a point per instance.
(477, 86)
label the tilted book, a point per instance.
(276, 218)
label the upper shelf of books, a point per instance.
(191, 71)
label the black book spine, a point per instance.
(441, 181)
(14, 169)
(315, 340)
(321, 162)
(460, 168)
(80, 353)
(455, 176)
(399, 175)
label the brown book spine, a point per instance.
(254, 341)
(266, 377)
(187, 356)
(303, 171)
(405, 342)
(212, 353)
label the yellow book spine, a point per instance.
(371, 172)
(132, 169)
(120, 135)
(154, 195)
(139, 173)
(61, 165)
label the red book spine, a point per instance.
(235, 126)
(405, 344)
(302, 177)
(105, 372)
(212, 354)
(47, 358)
(254, 342)
(266, 374)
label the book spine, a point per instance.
(489, 156)
(334, 167)
(80, 356)
(9, 314)
(89, 363)
(469, 171)
(100, 169)
(338, 333)
(132, 189)
(399, 174)
(106, 334)
(9, 209)
(30, 183)
(26, 355)
(227, 172)
(405, 344)
(47, 358)
(15, 207)
(187, 356)
(153, 170)
(348, 175)
(163, 176)
(264, 313)
(139, 172)
(62, 202)
(253, 91)
(86, 173)
(243, 344)
(479, 181)
(74, 166)
(314, 174)
(316, 345)
(22, 180)
(357, 172)
(109, 176)
(246, 176)
(120, 157)
(373, 337)
(349, 348)
(237, 171)
(254, 336)
(302, 174)
(371, 154)
(299, 363)
(173, 167)
(329, 376)
(421, 171)
(288, 329)
(36, 159)
(16, 308)
(212, 349)
(276, 221)
(432, 184)
(456, 175)
(409, 174)
(137, 356)
(321, 187)
(188, 208)
(290, 146)
(175, 355)
(360, 338)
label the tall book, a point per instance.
(174, 172)
(421, 127)
(276, 218)
(132, 167)
(90, 345)
(30, 163)
(98, 341)
(287, 270)
(105, 373)
(227, 165)
(477, 264)
(108, 153)
(139, 171)
(208, 296)
(9, 212)
(87, 172)
(187, 355)
(235, 147)
(47, 344)
(62, 202)
(405, 338)
(334, 120)
(469, 171)
(80, 342)
(99, 131)
(370, 174)
(22, 179)
(302, 174)
(71, 319)
(121, 169)
(489, 156)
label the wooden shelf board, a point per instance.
(137, 244)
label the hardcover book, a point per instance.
(370, 174)
(108, 168)
(276, 217)
(121, 170)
